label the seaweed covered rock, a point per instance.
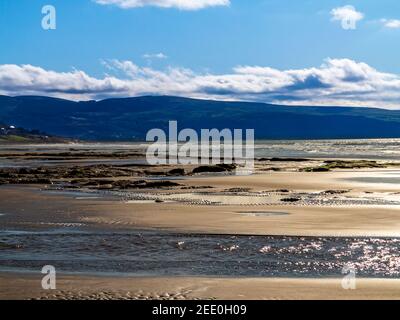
(177, 172)
(223, 167)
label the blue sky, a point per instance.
(108, 41)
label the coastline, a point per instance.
(337, 203)
(29, 205)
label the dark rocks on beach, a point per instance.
(29, 181)
(101, 177)
(280, 191)
(158, 184)
(95, 171)
(140, 184)
(271, 169)
(127, 184)
(123, 184)
(316, 169)
(177, 172)
(346, 164)
(335, 191)
(238, 190)
(8, 175)
(75, 175)
(196, 187)
(290, 199)
(216, 168)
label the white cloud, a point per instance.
(336, 82)
(348, 15)
(155, 56)
(180, 4)
(392, 23)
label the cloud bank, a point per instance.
(337, 82)
(179, 4)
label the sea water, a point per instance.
(164, 253)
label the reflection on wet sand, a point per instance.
(103, 211)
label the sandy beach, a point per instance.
(25, 286)
(289, 202)
(29, 205)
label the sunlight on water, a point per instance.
(179, 254)
(360, 148)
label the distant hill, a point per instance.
(11, 134)
(131, 118)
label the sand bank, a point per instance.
(28, 207)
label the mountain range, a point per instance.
(125, 119)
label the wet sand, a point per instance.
(28, 286)
(30, 207)
(366, 220)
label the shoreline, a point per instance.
(280, 200)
